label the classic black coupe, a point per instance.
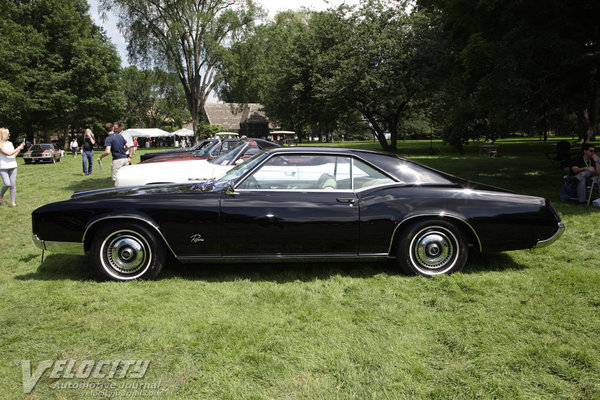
(298, 204)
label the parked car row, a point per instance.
(194, 167)
(291, 204)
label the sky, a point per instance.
(272, 7)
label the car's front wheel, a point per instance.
(432, 247)
(126, 252)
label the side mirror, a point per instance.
(230, 191)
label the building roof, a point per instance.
(231, 115)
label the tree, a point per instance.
(519, 66)
(63, 72)
(387, 72)
(318, 70)
(188, 37)
(154, 99)
(139, 98)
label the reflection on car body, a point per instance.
(290, 204)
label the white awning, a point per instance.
(147, 132)
(183, 132)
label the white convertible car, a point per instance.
(186, 171)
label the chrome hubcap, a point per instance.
(126, 252)
(434, 250)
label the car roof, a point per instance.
(325, 150)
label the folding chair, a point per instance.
(595, 183)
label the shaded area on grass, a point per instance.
(64, 267)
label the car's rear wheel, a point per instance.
(432, 247)
(126, 252)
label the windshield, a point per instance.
(206, 148)
(41, 147)
(228, 158)
(240, 170)
(200, 146)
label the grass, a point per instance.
(515, 325)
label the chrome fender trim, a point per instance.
(137, 217)
(439, 215)
(74, 248)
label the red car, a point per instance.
(43, 152)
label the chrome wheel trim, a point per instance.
(434, 250)
(125, 254)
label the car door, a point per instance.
(292, 205)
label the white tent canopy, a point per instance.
(183, 132)
(147, 132)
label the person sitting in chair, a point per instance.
(583, 168)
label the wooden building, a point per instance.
(247, 119)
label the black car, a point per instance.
(298, 204)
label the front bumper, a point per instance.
(74, 248)
(554, 238)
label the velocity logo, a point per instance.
(84, 369)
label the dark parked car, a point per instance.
(214, 149)
(42, 152)
(298, 204)
(175, 152)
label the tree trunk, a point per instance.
(586, 130)
(394, 138)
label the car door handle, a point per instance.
(350, 200)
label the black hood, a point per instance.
(144, 190)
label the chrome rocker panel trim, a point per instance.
(254, 258)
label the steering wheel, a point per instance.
(251, 183)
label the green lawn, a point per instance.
(512, 325)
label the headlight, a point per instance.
(45, 155)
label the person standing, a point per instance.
(8, 166)
(115, 145)
(118, 128)
(74, 147)
(87, 151)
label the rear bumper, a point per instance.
(74, 248)
(554, 238)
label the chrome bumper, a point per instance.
(554, 238)
(74, 248)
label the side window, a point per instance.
(365, 176)
(301, 172)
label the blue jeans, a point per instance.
(88, 161)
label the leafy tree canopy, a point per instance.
(521, 65)
(188, 37)
(63, 72)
